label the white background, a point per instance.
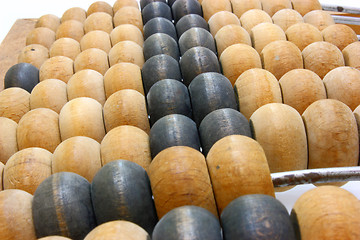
(10, 10)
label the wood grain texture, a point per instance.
(303, 34)
(340, 35)
(352, 55)
(229, 35)
(239, 7)
(8, 141)
(305, 6)
(319, 18)
(65, 46)
(253, 17)
(265, 33)
(285, 18)
(126, 51)
(96, 39)
(58, 67)
(221, 19)
(271, 7)
(99, 21)
(34, 54)
(126, 32)
(14, 103)
(210, 7)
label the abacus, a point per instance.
(162, 119)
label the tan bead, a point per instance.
(54, 238)
(16, 215)
(41, 35)
(49, 21)
(92, 58)
(340, 35)
(210, 7)
(14, 103)
(126, 32)
(279, 57)
(235, 165)
(285, 18)
(2, 166)
(99, 21)
(332, 134)
(80, 155)
(126, 107)
(67, 47)
(327, 212)
(100, 6)
(26, 169)
(126, 142)
(254, 17)
(322, 57)
(241, 6)
(70, 29)
(230, 35)
(303, 34)
(74, 13)
(34, 54)
(39, 128)
(300, 88)
(221, 19)
(87, 83)
(125, 3)
(128, 15)
(343, 84)
(96, 39)
(319, 19)
(179, 177)
(265, 33)
(238, 58)
(351, 55)
(255, 88)
(50, 93)
(8, 141)
(82, 117)
(305, 6)
(58, 67)
(271, 7)
(126, 51)
(123, 76)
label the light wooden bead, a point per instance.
(303, 34)
(285, 18)
(241, 6)
(82, 117)
(305, 6)
(319, 19)
(126, 107)
(238, 58)
(34, 54)
(352, 55)
(123, 76)
(2, 166)
(265, 33)
(271, 7)
(92, 58)
(221, 19)
(300, 88)
(125, 3)
(50, 93)
(126, 142)
(343, 84)
(49, 21)
(54, 238)
(79, 155)
(41, 35)
(14, 103)
(8, 141)
(70, 29)
(100, 6)
(67, 47)
(332, 134)
(39, 128)
(58, 67)
(16, 215)
(210, 7)
(279, 57)
(126, 51)
(126, 32)
(26, 169)
(74, 13)
(340, 35)
(129, 15)
(179, 177)
(99, 21)
(254, 17)
(87, 83)
(119, 229)
(235, 165)
(322, 57)
(255, 88)
(327, 212)
(96, 39)
(230, 35)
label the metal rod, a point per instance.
(346, 20)
(320, 175)
(340, 8)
